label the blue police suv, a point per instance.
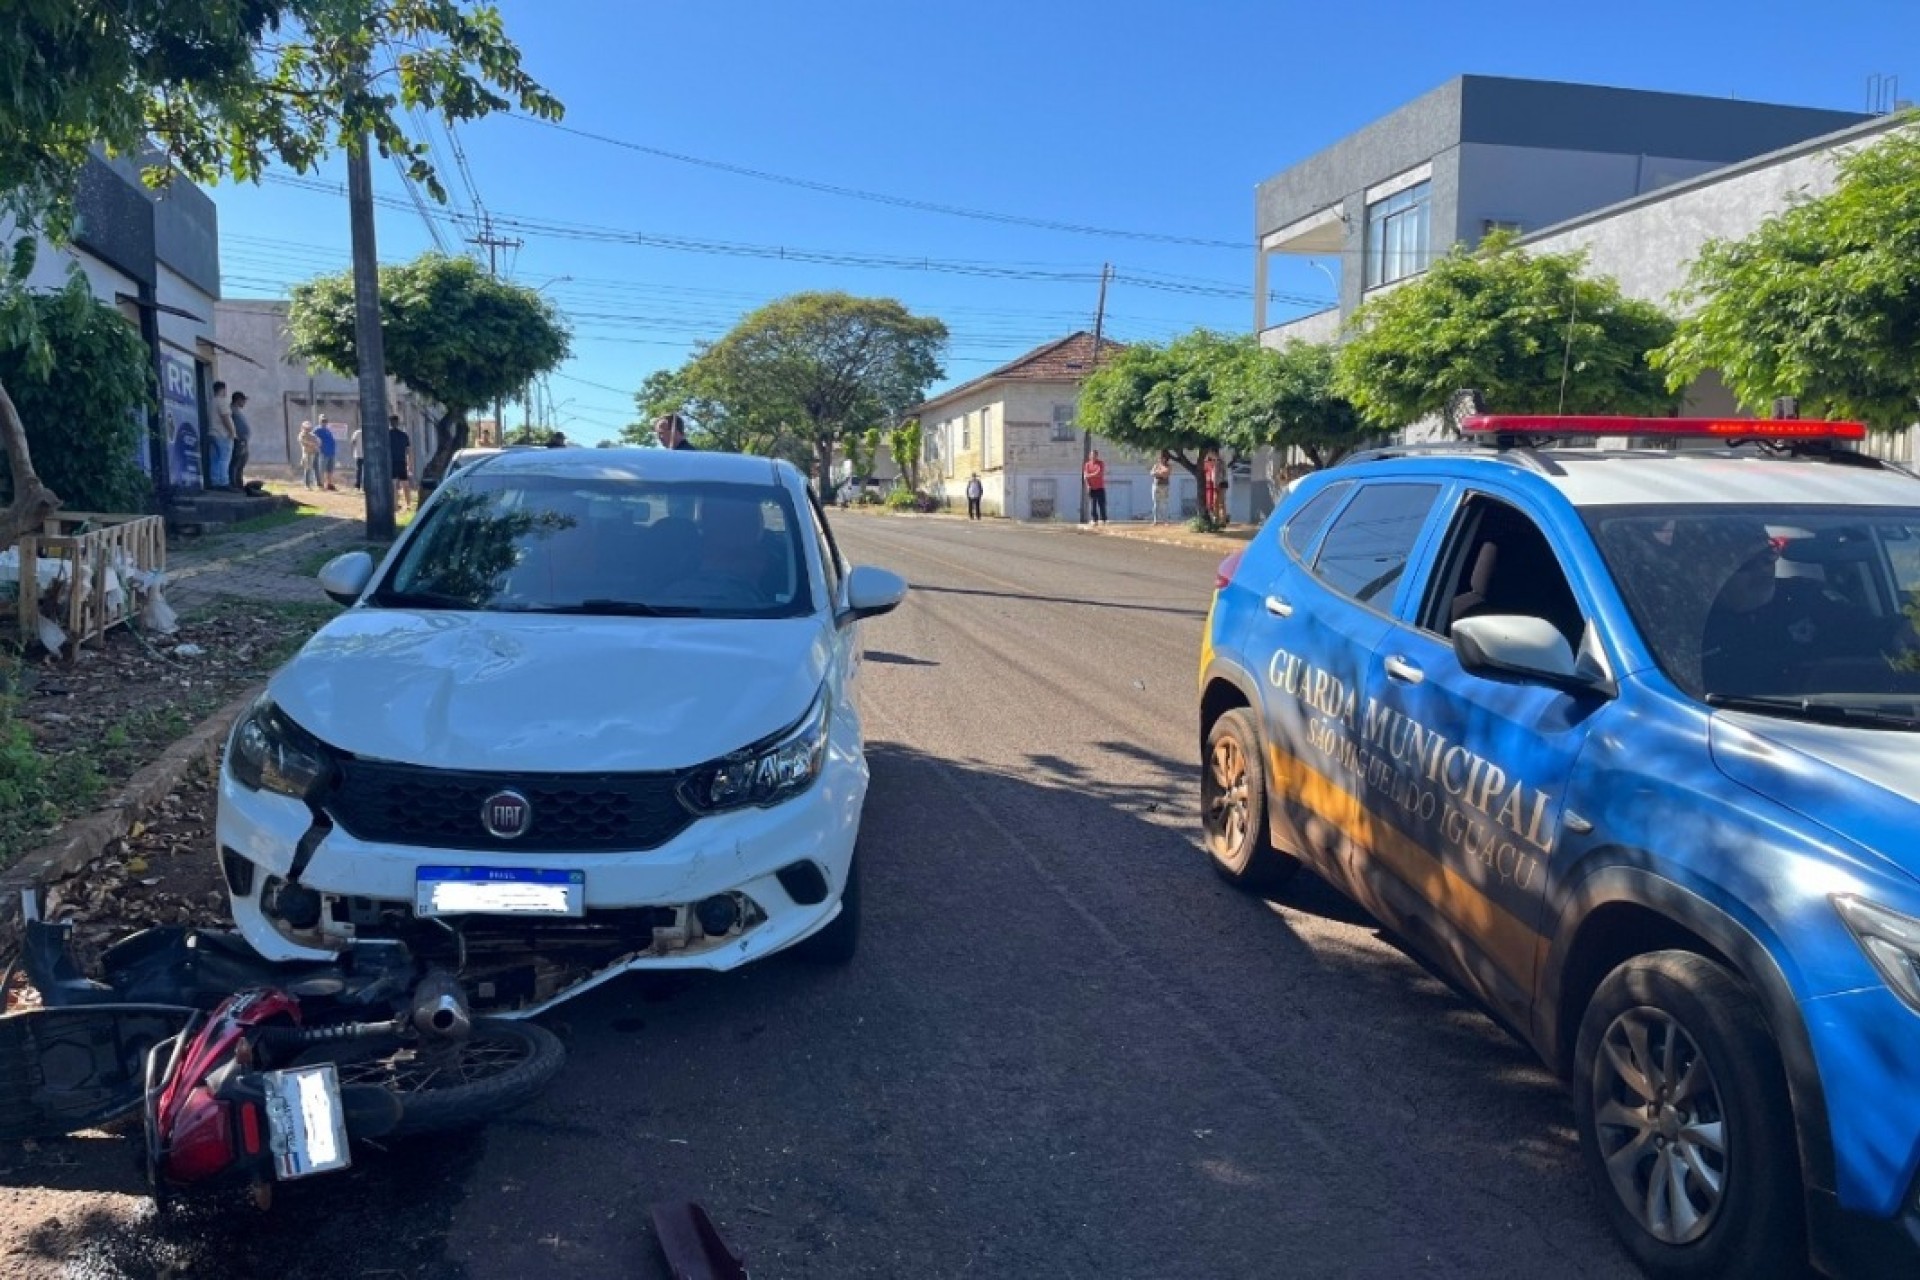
(1628, 741)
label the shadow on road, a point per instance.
(1069, 600)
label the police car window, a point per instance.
(1499, 562)
(1365, 552)
(1308, 520)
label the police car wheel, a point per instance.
(1233, 801)
(1685, 1124)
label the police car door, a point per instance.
(1325, 615)
(1465, 771)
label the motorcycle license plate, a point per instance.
(305, 1125)
(499, 891)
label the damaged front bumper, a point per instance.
(730, 889)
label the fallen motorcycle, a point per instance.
(246, 1072)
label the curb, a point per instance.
(81, 840)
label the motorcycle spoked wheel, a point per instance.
(501, 1065)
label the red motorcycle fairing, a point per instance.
(201, 1127)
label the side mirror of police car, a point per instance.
(344, 577)
(1525, 647)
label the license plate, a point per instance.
(306, 1128)
(498, 891)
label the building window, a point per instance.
(1063, 422)
(966, 431)
(1397, 235)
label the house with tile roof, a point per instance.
(1017, 427)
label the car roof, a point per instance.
(639, 463)
(1662, 477)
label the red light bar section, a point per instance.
(1521, 424)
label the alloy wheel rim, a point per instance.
(1661, 1126)
(1227, 801)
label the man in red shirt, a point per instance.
(1096, 473)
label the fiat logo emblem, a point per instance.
(506, 815)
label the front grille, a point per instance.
(571, 813)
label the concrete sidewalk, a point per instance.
(270, 564)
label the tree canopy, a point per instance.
(214, 89)
(1285, 399)
(1151, 397)
(1822, 302)
(1527, 330)
(451, 331)
(814, 368)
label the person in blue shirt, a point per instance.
(329, 450)
(242, 435)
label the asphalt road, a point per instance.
(1066, 1049)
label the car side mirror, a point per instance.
(1527, 647)
(871, 591)
(344, 577)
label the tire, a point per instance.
(502, 1065)
(1233, 806)
(1681, 1027)
(840, 940)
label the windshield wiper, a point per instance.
(1808, 709)
(422, 600)
(614, 609)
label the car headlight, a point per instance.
(769, 771)
(269, 752)
(1890, 939)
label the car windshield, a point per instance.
(515, 542)
(1805, 611)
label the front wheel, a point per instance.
(501, 1065)
(1233, 806)
(1686, 1128)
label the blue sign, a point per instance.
(180, 410)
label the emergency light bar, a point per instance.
(1552, 425)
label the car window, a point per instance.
(514, 542)
(1366, 551)
(1299, 531)
(1499, 562)
(1807, 604)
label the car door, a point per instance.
(1325, 613)
(1466, 772)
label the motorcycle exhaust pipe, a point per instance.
(440, 1007)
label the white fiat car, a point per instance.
(593, 713)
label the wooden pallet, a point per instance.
(89, 543)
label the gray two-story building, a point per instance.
(1485, 153)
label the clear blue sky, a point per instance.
(1145, 116)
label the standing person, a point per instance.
(975, 490)
(1162, 474)
(1210, 482)
(1096, 474)
(329, 450)
(309, 456)
(1220, 490)
(399, 449)
(357, 443)
(220, 440)
(670, 429)
(242, 435)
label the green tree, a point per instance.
(905, 442)
(215, 89)
(1150, 397)
(452, 332)
(1821, 302)
(83, 419)
(1528, 331)
(815, 367)
(1285, 399)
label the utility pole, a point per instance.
(493, 244)
(1086, 434)
(369, 345)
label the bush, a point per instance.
(86, 418)
(1204, 523)
(902, 500)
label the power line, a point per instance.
(901, 202)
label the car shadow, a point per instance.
(898, 659)
(1068, 600)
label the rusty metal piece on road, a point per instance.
(692, 1244)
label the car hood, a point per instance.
(547, 693)
(1861, 784)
